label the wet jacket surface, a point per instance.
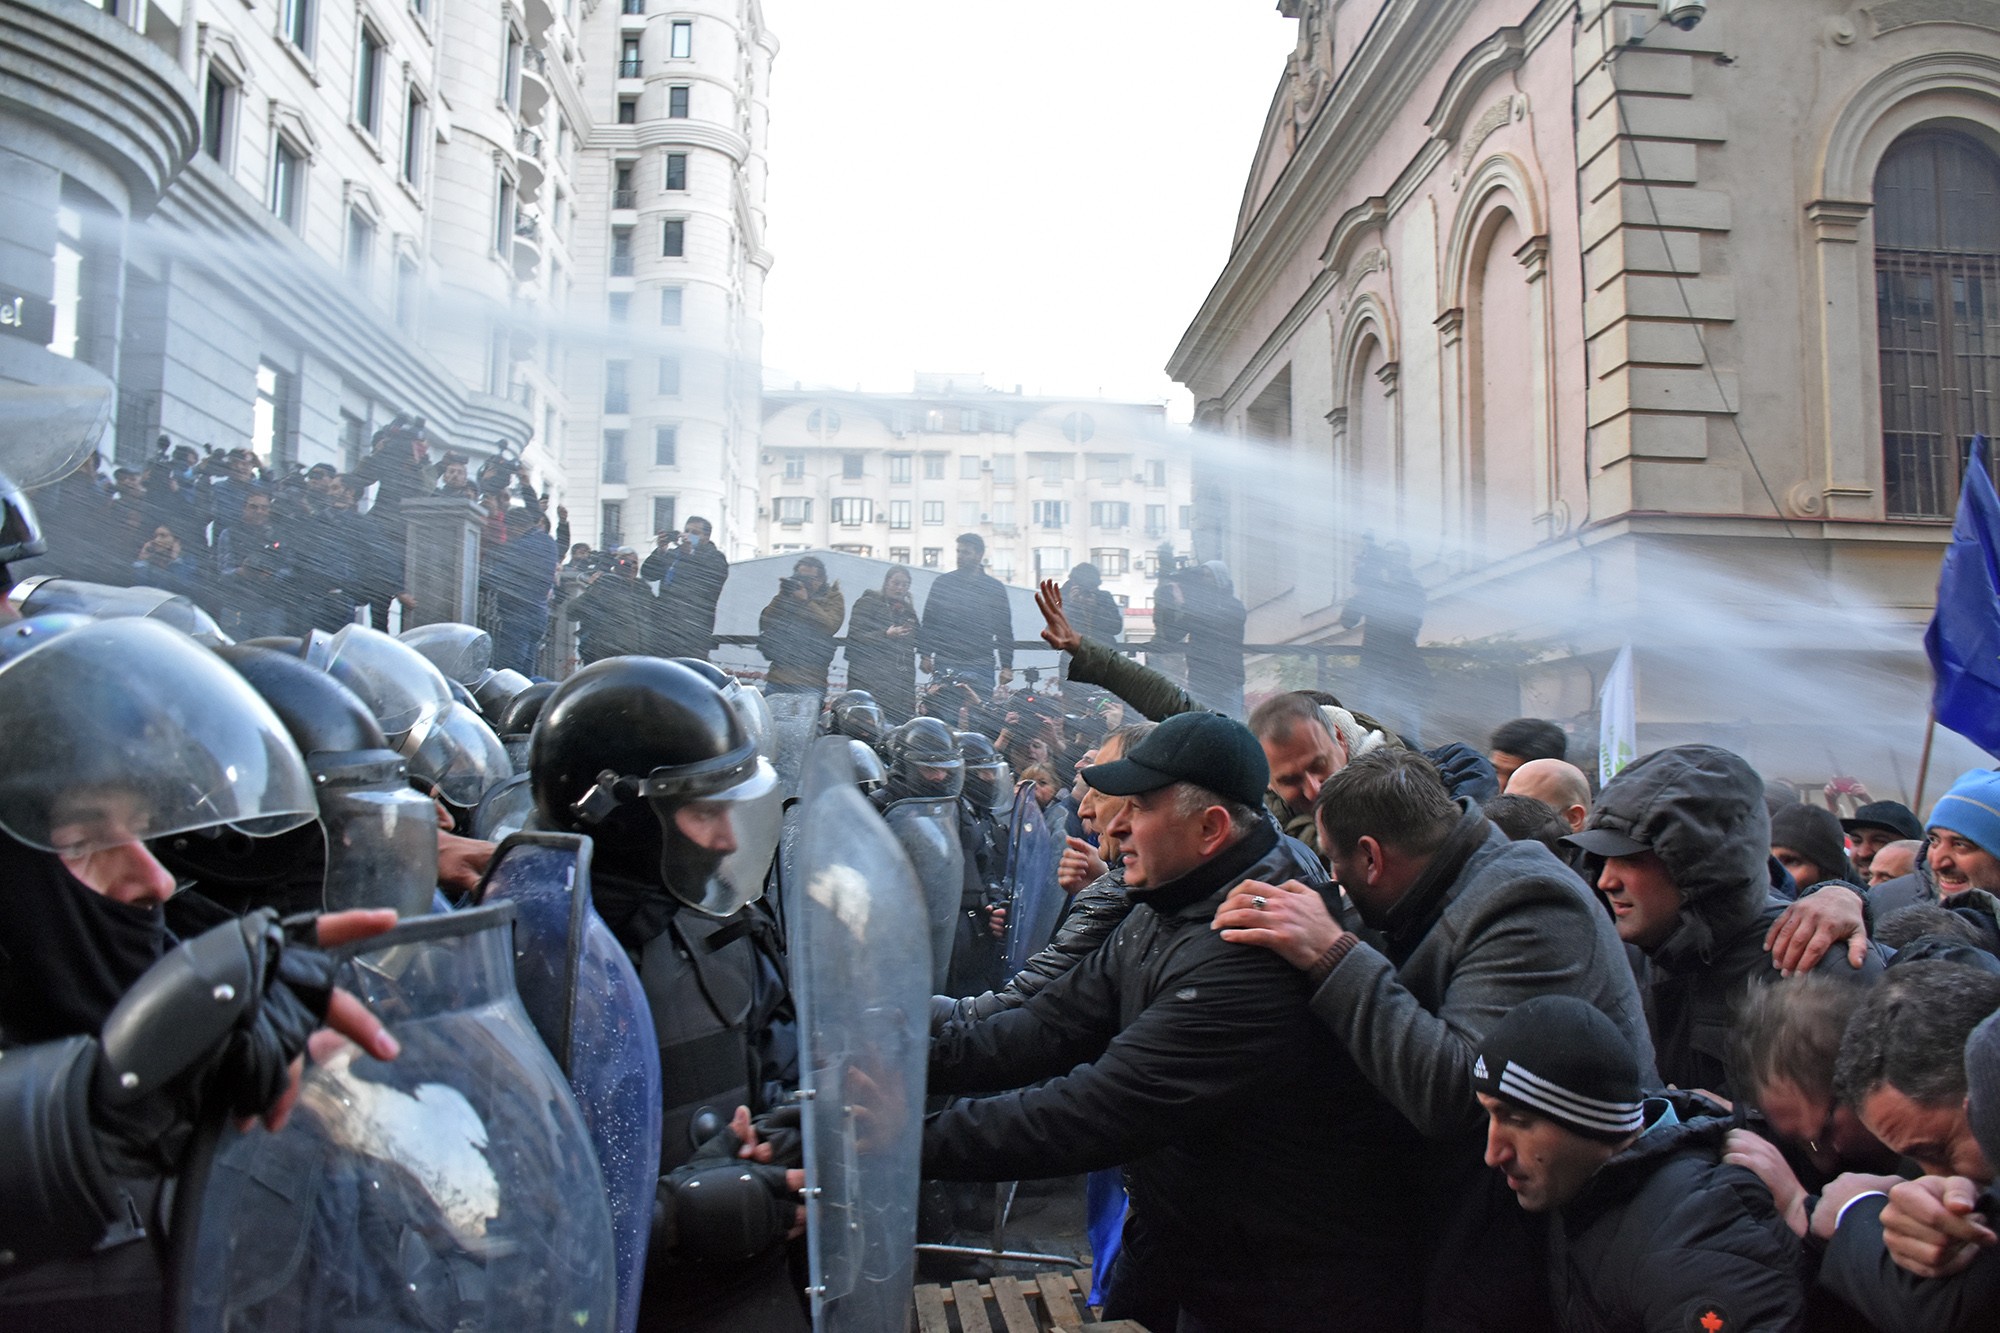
(690, 586)
(885, 667)
(1163, 1051)
(1701, 811)
(966, 621)
(797, 636)
(1665, 1234)
(1489, 924)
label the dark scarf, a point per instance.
(1406, 923)
(1219, 871)
(67, 954)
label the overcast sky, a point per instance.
(1036, 190)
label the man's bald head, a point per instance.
(1555, 783)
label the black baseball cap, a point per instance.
(1207, 749)
(1893, 816)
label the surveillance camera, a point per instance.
(1682, 14)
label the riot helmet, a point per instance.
(52, 428)
(651, 761)
(457, 758)
(18, 636)
(495, 690)
(924, 761)
(747, 703)
(829, 713)
(989, 782)
(857, 716)
(399, 684)
(46, 594)
(20, 534)
(518, 717)
(464, 653)
(126, 730)
(869, 775)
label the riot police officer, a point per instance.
(926, 774)
(983, 805)
(650, 760)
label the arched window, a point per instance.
(1937, 312)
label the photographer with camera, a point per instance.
(614, 612)
(690, 570)
(1196, 605)
(399, 468)
(795, 632)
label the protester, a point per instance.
(882, 646)
(1648, 1228)
(690, 574)
(1525, 819)
(795, 632)
(1559, 785)
(1303, 750)
(164, 564)
(1521, 740)
(967, 623)
(614, 612)
(524, 578)
(1893, 861)
(1808, 842)
(1198, 608)
(1876, 825)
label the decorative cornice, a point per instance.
(1504, 51)
(1893, 14)
(1838, 220)
(1366, 216)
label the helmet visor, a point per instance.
(125, 730)
(51, 428)
(398, 684)
(464, 653)
(754, 714)
(719, 847)
(459, 757)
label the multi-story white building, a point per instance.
(668, 283)
(1048, 482)
(348, 211)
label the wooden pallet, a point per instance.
(1046, 1303)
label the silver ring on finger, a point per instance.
(1257, 902)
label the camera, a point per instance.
(1682, 14)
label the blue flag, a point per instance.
(1964, 637)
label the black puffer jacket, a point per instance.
(1701, 810)
(1665, 1236)
(1162, 1051)
(1096, 911)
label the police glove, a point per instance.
(783, 1130)
(1466, 772)
(721, 1212)
(213, 1026)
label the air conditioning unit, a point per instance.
(763, 511)
(985, 465)
(767, 460)
(1139, 477)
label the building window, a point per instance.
(1937, 283)
(899, 555)
(218, 115)
(616, 398)
(666, 446)
(368, 80)
(1079, 427)
(622, 193)
(628, 111)
(621, 252)
(794, 510)
(271, 416)
(1111, 561)
(933, 513)
(663, 513)
(1051, 561)
(618, 307)
(899, 469)
(614, 458)
(503, 217)
(611, 524)
(670, 377)
(968, 513)
(968, 467)
(933, 467)
(628, 59)
(824, 424)
(1156, 520)
(297, 19)
(1187, 518)
(850, 467)
(680, 44)
(632, 7)
(795, 467)
(1156, 473)
(933, 556)
(510, 70)
(851, 511)
(288, 181)
(670, 307)
(1110, 514)
(677, 171)
(1003, 469)
(1108, 468)
(360, 249)
(677, 102)
(1003, 514)
(1000, 564)
(899, 515)
(416, 118)
(407, 279)
(1051, 513)
(673, 238)
(1055, 468)
(933, 420)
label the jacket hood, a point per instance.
(1701, 810)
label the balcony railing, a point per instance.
(621, 266)
(527, 228)
(630, 68)
(624, 198)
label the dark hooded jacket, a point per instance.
(1665, 1235)
(1701, 810)
(1095, 912)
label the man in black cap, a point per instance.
(1684, 839)
(1647, 1229)
(1268, 1180)
(1876, 825)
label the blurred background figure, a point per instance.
(882, 646)
(1197, 606)
(1388, 603)
(690, 572)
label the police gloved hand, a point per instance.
(782, 1131)
(722, 1211)
(1466, 772)
(214, 1025)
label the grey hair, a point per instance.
(1190, 799)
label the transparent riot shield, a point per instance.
(861, 952)
(1034, 895)
(927, 828)
(453, 1188)
(506, 808)
(794, 718)
(584, 997)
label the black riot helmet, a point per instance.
(519, 716)
(651, 761)
(857, 716)
(989, 782)
(869, 775)
(750, 707)
(924, 761)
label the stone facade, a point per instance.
(1048, 483)
(1582, 308)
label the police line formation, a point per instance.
(712, 1004)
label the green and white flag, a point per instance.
(1617, 718)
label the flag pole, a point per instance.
(1924, 765)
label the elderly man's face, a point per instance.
(1158, 844)
(1937, 1138)
(1893, 862)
